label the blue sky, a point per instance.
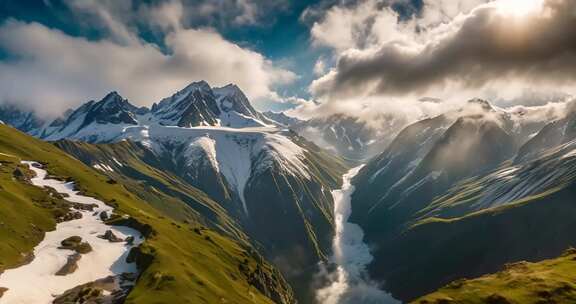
(345, 55)
(280, 36)
(278, 32)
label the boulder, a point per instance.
(70, 266)
(75, 243)
(83, 248)
(111, 237)
(70, 242)
(129, 240)
(104, 216)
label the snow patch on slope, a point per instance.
(237, 154)
(36, 282)
(200, 149)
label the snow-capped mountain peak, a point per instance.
(193, 106)
(99, 121)
(112, 109)
(202, 126)
(237, 110)
(205, 128)
(231, 98)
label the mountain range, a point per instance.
(439, 200)
(460, 196)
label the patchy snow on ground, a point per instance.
(36, 282)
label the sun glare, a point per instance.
(519, 7)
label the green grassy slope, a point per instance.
(290, 216)
(184, 262)
(139, 170)
(550, 281)
(477, 244)
(25, 213)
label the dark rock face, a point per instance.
(190, 107)
(142, 255)
(70, 266)
(112, 109)
(20, 175)
(71, 241)
(2, 291)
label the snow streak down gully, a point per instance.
(349, 283)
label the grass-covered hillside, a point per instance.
(290, 217)
(550, 281)
(25, 212)
(182, 260)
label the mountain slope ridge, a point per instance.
(186, 279)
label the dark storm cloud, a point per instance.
(488, 45)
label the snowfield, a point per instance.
(236, 151)
(237, 154)
(36, 282)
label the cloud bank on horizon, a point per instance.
(373, 56)
(509, 51)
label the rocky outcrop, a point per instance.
(83, 207)
(69, 216)
(111, 237)
(75, 243)
(107, 290)
(142, 255)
